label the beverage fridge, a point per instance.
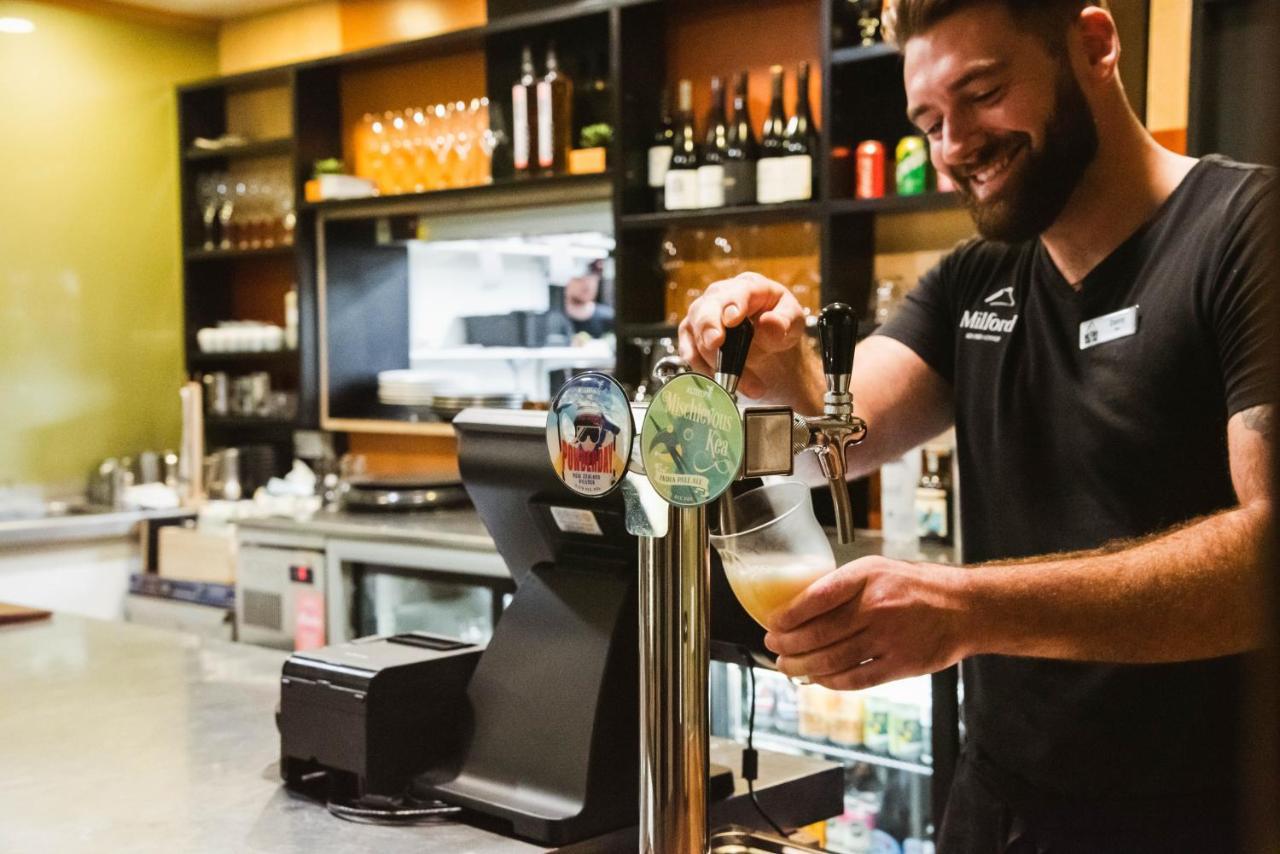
(897, 742)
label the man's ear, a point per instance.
(1100, 42)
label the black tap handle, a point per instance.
(838, 327)
(733, 353)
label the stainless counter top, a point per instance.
(124, 738)
(78, 526)
(446, 528)
(462, 528)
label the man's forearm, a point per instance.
(1191, 593)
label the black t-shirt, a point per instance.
(1068, 438)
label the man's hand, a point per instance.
(871, 621)
(780, 365)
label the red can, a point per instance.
(870, 170)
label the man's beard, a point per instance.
(1036, 191)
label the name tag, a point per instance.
(1109, 327)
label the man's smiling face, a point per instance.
(1005, 117)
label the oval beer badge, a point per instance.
(589, 433)
(692, 441)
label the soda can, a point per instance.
(870, 170)
(913, 166)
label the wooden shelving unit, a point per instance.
(235, 254)
(253, 148)
(534, 191)
(640, 48)
(248, 361)
(861, 53)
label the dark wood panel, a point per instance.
(366, 305)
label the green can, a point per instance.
(913, 166)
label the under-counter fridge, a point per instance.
(898, 742)
(883, 736)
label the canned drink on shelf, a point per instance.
(906, 738)
(870, 170)
(814, 706)
(846, 719)
(875, 724)
(913, 166)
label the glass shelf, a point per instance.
(792, 743)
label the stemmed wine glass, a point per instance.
(209, 199)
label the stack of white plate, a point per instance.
(408, 387)
(447, 406)
(444, 395)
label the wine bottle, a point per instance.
(555, 117)
(742, 151)
(524, 116)
(714, 151)
(660, 150)
(769, 183)
(800, 145)
(682, 176)
(934, 498)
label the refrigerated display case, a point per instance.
(898, 742)
(882, 736)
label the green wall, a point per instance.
(90, 255)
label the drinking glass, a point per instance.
(778, 549)
(464, 140)
(443, 145)
(671, 259)
(226, 212)
(805, 280)
(494, 135)
(419, 149)
(726, 254)
(209, 200)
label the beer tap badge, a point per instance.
(589, 433)
(692, 441)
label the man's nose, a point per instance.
(960, 141)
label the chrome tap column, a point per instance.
(675, 587)
(694, 443)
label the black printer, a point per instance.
(375, 712)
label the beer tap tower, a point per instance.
(695, 441)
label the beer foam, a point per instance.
(767, 582)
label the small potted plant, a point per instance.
(591, 156)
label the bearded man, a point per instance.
(1100, 353)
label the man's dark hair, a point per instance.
(1047, 19)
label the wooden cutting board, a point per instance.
(20, 614)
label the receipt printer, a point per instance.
(374, 713)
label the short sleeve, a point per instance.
(1241, 308)
(925, 321)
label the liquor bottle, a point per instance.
(682, 177)
(660, 150)
(714, 151)
(524, 117)
(769, 166)
(934, 500)
(555, 117)
(800, 145)
(742, 152)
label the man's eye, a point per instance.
(988, 95)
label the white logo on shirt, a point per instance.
(1002, 298)
(991, 326)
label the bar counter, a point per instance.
(124, 738)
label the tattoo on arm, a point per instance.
(1259, 419)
